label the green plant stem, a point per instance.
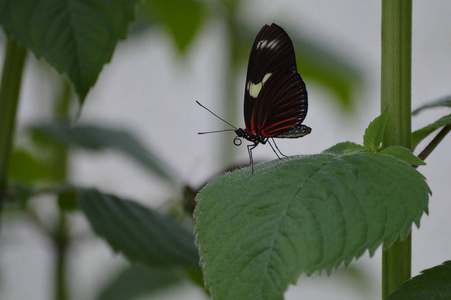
(228, 149)
(9, 98)
(396, 94)
(61, 244)
(61, 239)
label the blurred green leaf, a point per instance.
(67, 200)
(92, 137)
(20, 193)
(258, 232)
(27, 168)
(319, 63)
(356, 278)
(136, 281)
(374, 133)
(141, 234)
(181, 18)
(420, 134)
(197, 277)
(442, 102)
(76, 37)
(433, 283)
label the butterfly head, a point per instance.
(242, 133)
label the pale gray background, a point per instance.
(148, 90)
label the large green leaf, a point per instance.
(92, 137)
(181, 18)
(141, 234)
(433, 283)
(257, 233)
(420, 134)
(76, 37)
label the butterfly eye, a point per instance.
(237, 141)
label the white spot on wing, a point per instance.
(262, 44)
(255, 88)
(271, 45)
(266, 77)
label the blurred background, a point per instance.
(150, 87)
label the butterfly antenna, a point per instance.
(216, 117)
(214, 131)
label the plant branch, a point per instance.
(61, 238)
(61, 242)
(434, 143)
(9, 98)
(396, 95)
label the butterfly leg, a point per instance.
(249, 150)
(276, 148)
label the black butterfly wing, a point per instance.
(275, 102)
(272, 51)
(281, 107)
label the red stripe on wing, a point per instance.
(275, 131)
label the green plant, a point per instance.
(257, 234)
(78, 39)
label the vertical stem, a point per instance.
(61, 237)
(396, 265)
(61, 244)
(9, 99)
(228, 149)
(395, 93)
(396, 70)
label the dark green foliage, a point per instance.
(76, 37)
(404, 154)
(141, 234)
(181, 18)
(441, 102)
(257, 233)
(374, 132)
(91, 137)
(420, 134)
(136, 281)
(433, 283)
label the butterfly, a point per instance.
(275, 97)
